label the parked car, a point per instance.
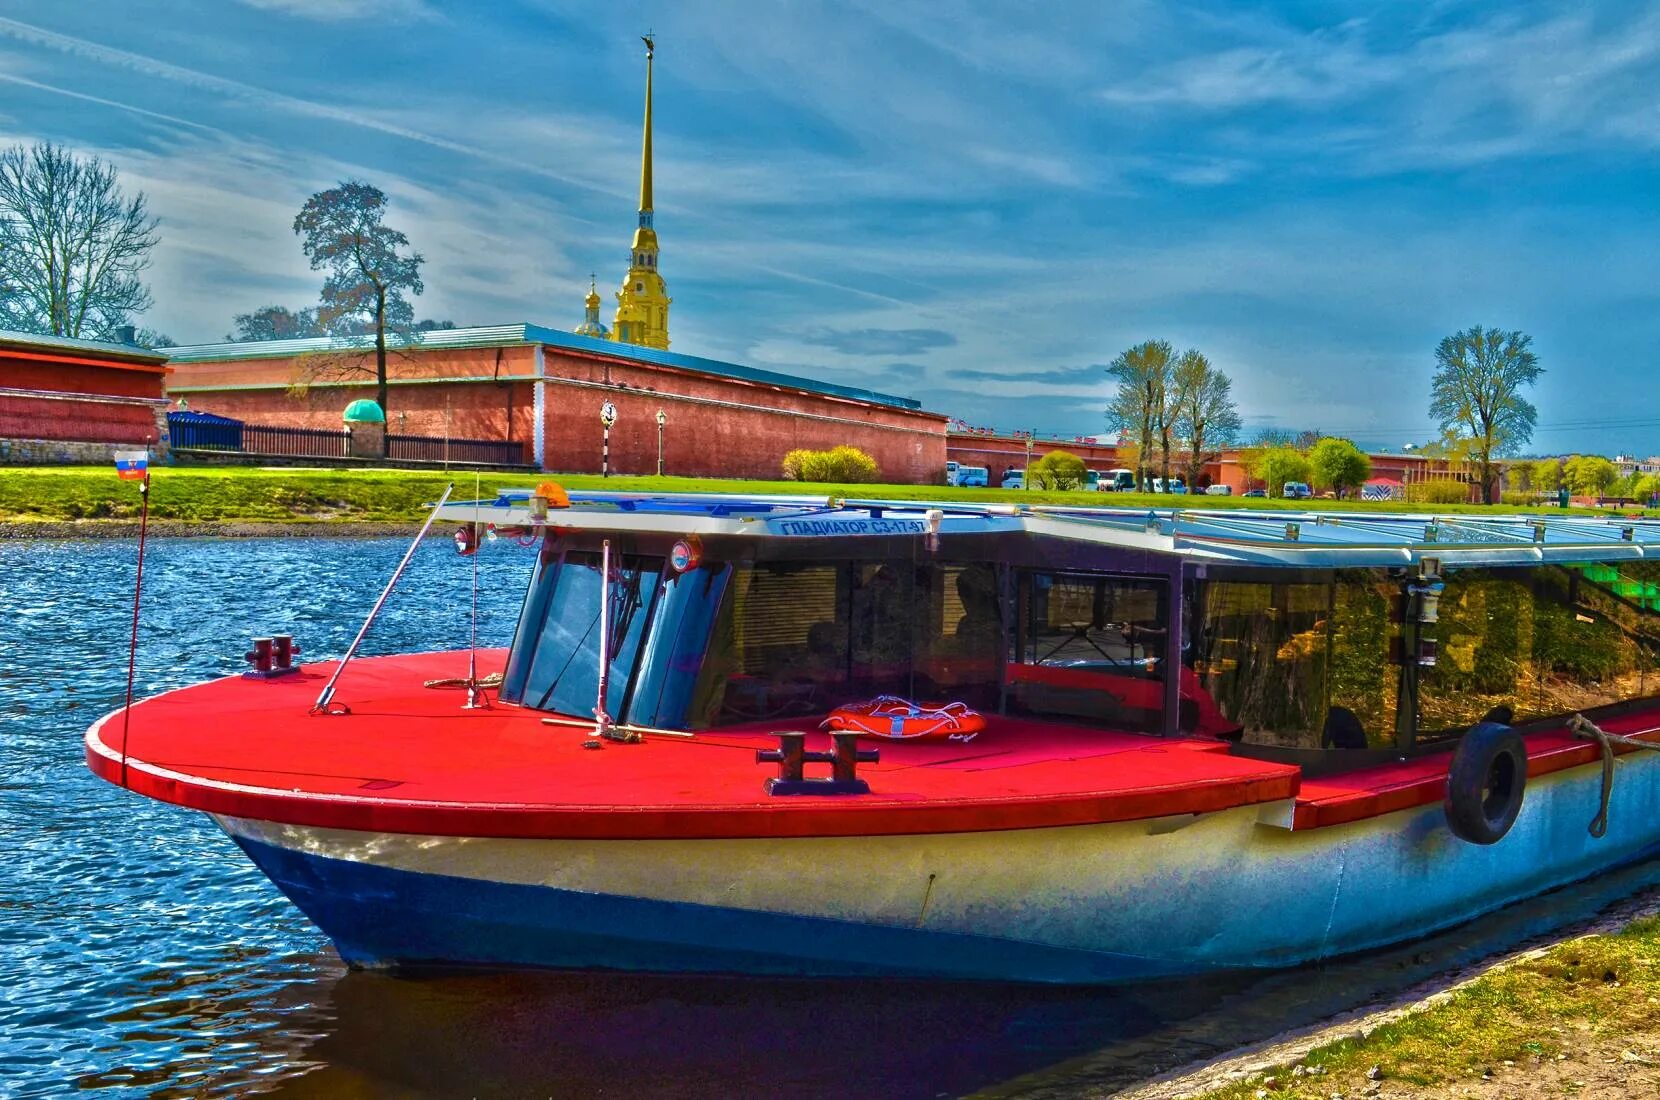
(1297, 490)
(1219, 491)
(1254, 493)
(973, 475)
(1176, 485)
(1118, 481)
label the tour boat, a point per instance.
(845, 738)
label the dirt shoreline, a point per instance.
(220, 529)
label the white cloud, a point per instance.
(336, 11)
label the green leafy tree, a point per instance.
(1205, 412)
(1547, 475)
(1278, 465)
(1476, 391)
(1338, 464)
(369, 273)
(1519, 476)
(1057, 470)
(1589, 475)
(72, 245)
(1647, 487)
(1141, 401)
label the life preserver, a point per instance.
(894, 719)
(1485, 783)
(466, 540)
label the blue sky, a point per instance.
(974, 204)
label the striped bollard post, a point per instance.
(607, 417)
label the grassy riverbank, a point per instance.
(205, 495)
(1579, 1019)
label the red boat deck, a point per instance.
(408, 759)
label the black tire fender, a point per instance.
(1485, 783)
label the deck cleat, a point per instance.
(271, 657)
(792, 757)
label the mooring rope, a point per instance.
(487, 681)
(1585, 728)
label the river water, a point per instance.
(141, 953)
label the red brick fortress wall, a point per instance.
(78, 399)
(721, 427)
(717, 426)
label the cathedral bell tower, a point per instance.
(643, 302)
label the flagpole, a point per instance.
(132, 644)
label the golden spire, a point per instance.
(593, 293)
(643, 301)
(645, 151)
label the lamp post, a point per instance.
(1026, 478)
(662, 418)
(607, 417)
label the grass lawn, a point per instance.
(1581, 1014)
(201, 494)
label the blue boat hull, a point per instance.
(377, 915)
(1123, 902)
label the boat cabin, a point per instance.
(1326, 641)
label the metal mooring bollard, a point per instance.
(271, 657)
(792, 757)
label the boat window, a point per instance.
(562, 663)
(1090, 647)
(1542, 641)
(1298, 665)
(797, 640)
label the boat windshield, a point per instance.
(556, 657)
(796, 639)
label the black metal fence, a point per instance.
(296, 442)
(425, 448)
(190, 430)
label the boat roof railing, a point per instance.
(1306, 537)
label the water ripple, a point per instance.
(138, 950)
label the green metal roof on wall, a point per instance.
(363, 411)
(495, 336)
(65, 343)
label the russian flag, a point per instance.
(132, 465)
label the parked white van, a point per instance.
(1118, 481)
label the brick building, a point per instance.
(64, 400)
(1000, 451)
(544, 388)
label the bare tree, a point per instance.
(1274, 437)
(342, 233)
(1476, 392)
(71, 244)
(1140, 403)
(1203, 400)
(276, 323)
